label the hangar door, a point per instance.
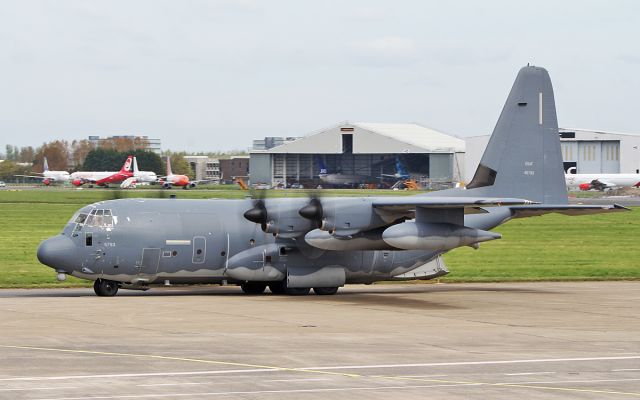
(598, 157)
(611, 157)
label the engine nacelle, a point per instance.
(585, 186)
(192, 184)
(280, 217)
(255, 264)
(47, 182)
(434, 236)
(345, 216)
(166, 185)
(77, 182)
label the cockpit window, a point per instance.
(108, 219)
(97, 217)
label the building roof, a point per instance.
(417, 135)
(373, 138)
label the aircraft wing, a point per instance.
(33, 176)
(566, 209)
(408, 204)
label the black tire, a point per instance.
(278, 288)
(253, 288)
(325, 291)
(298, 291)
(105, 288)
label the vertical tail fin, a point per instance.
(401, 172)
(46, 165)
(169, 166)
(523, 158)
(323, 168)
(135, 166)
(126, 167)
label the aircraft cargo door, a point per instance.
(149, 263)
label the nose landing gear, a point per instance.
(105, 288)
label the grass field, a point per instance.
(553, 247)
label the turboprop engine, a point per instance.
(434, 236)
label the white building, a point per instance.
(585, 150)
(364, 149)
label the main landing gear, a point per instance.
(253, 288)
(105, 288)
(281, 288)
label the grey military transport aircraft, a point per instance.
(294, 244)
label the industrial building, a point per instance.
(583, 151)
(368, 150)
(234, 166)
(205, 168)
(147, 142)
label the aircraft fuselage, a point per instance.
(147, 241)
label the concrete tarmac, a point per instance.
(455, 341)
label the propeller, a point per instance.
(258, 213)
(313, 211)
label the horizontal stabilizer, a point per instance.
(573, 209)
(396, 204)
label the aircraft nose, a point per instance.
(57, 252)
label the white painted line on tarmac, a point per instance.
(265, 370)
(297, 380)
(99, 376)
(174, 384)
(39, 388)
(284, 391)
(559, 382)
(530, 373)
(531, 361)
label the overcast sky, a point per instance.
(214, 75)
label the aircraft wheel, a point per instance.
(325, 291)
(105, 288)
(253, 288)
(298, 291)
(278, 288)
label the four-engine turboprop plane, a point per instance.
(294, 244)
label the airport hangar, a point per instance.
(588, 151)
(432, 158)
